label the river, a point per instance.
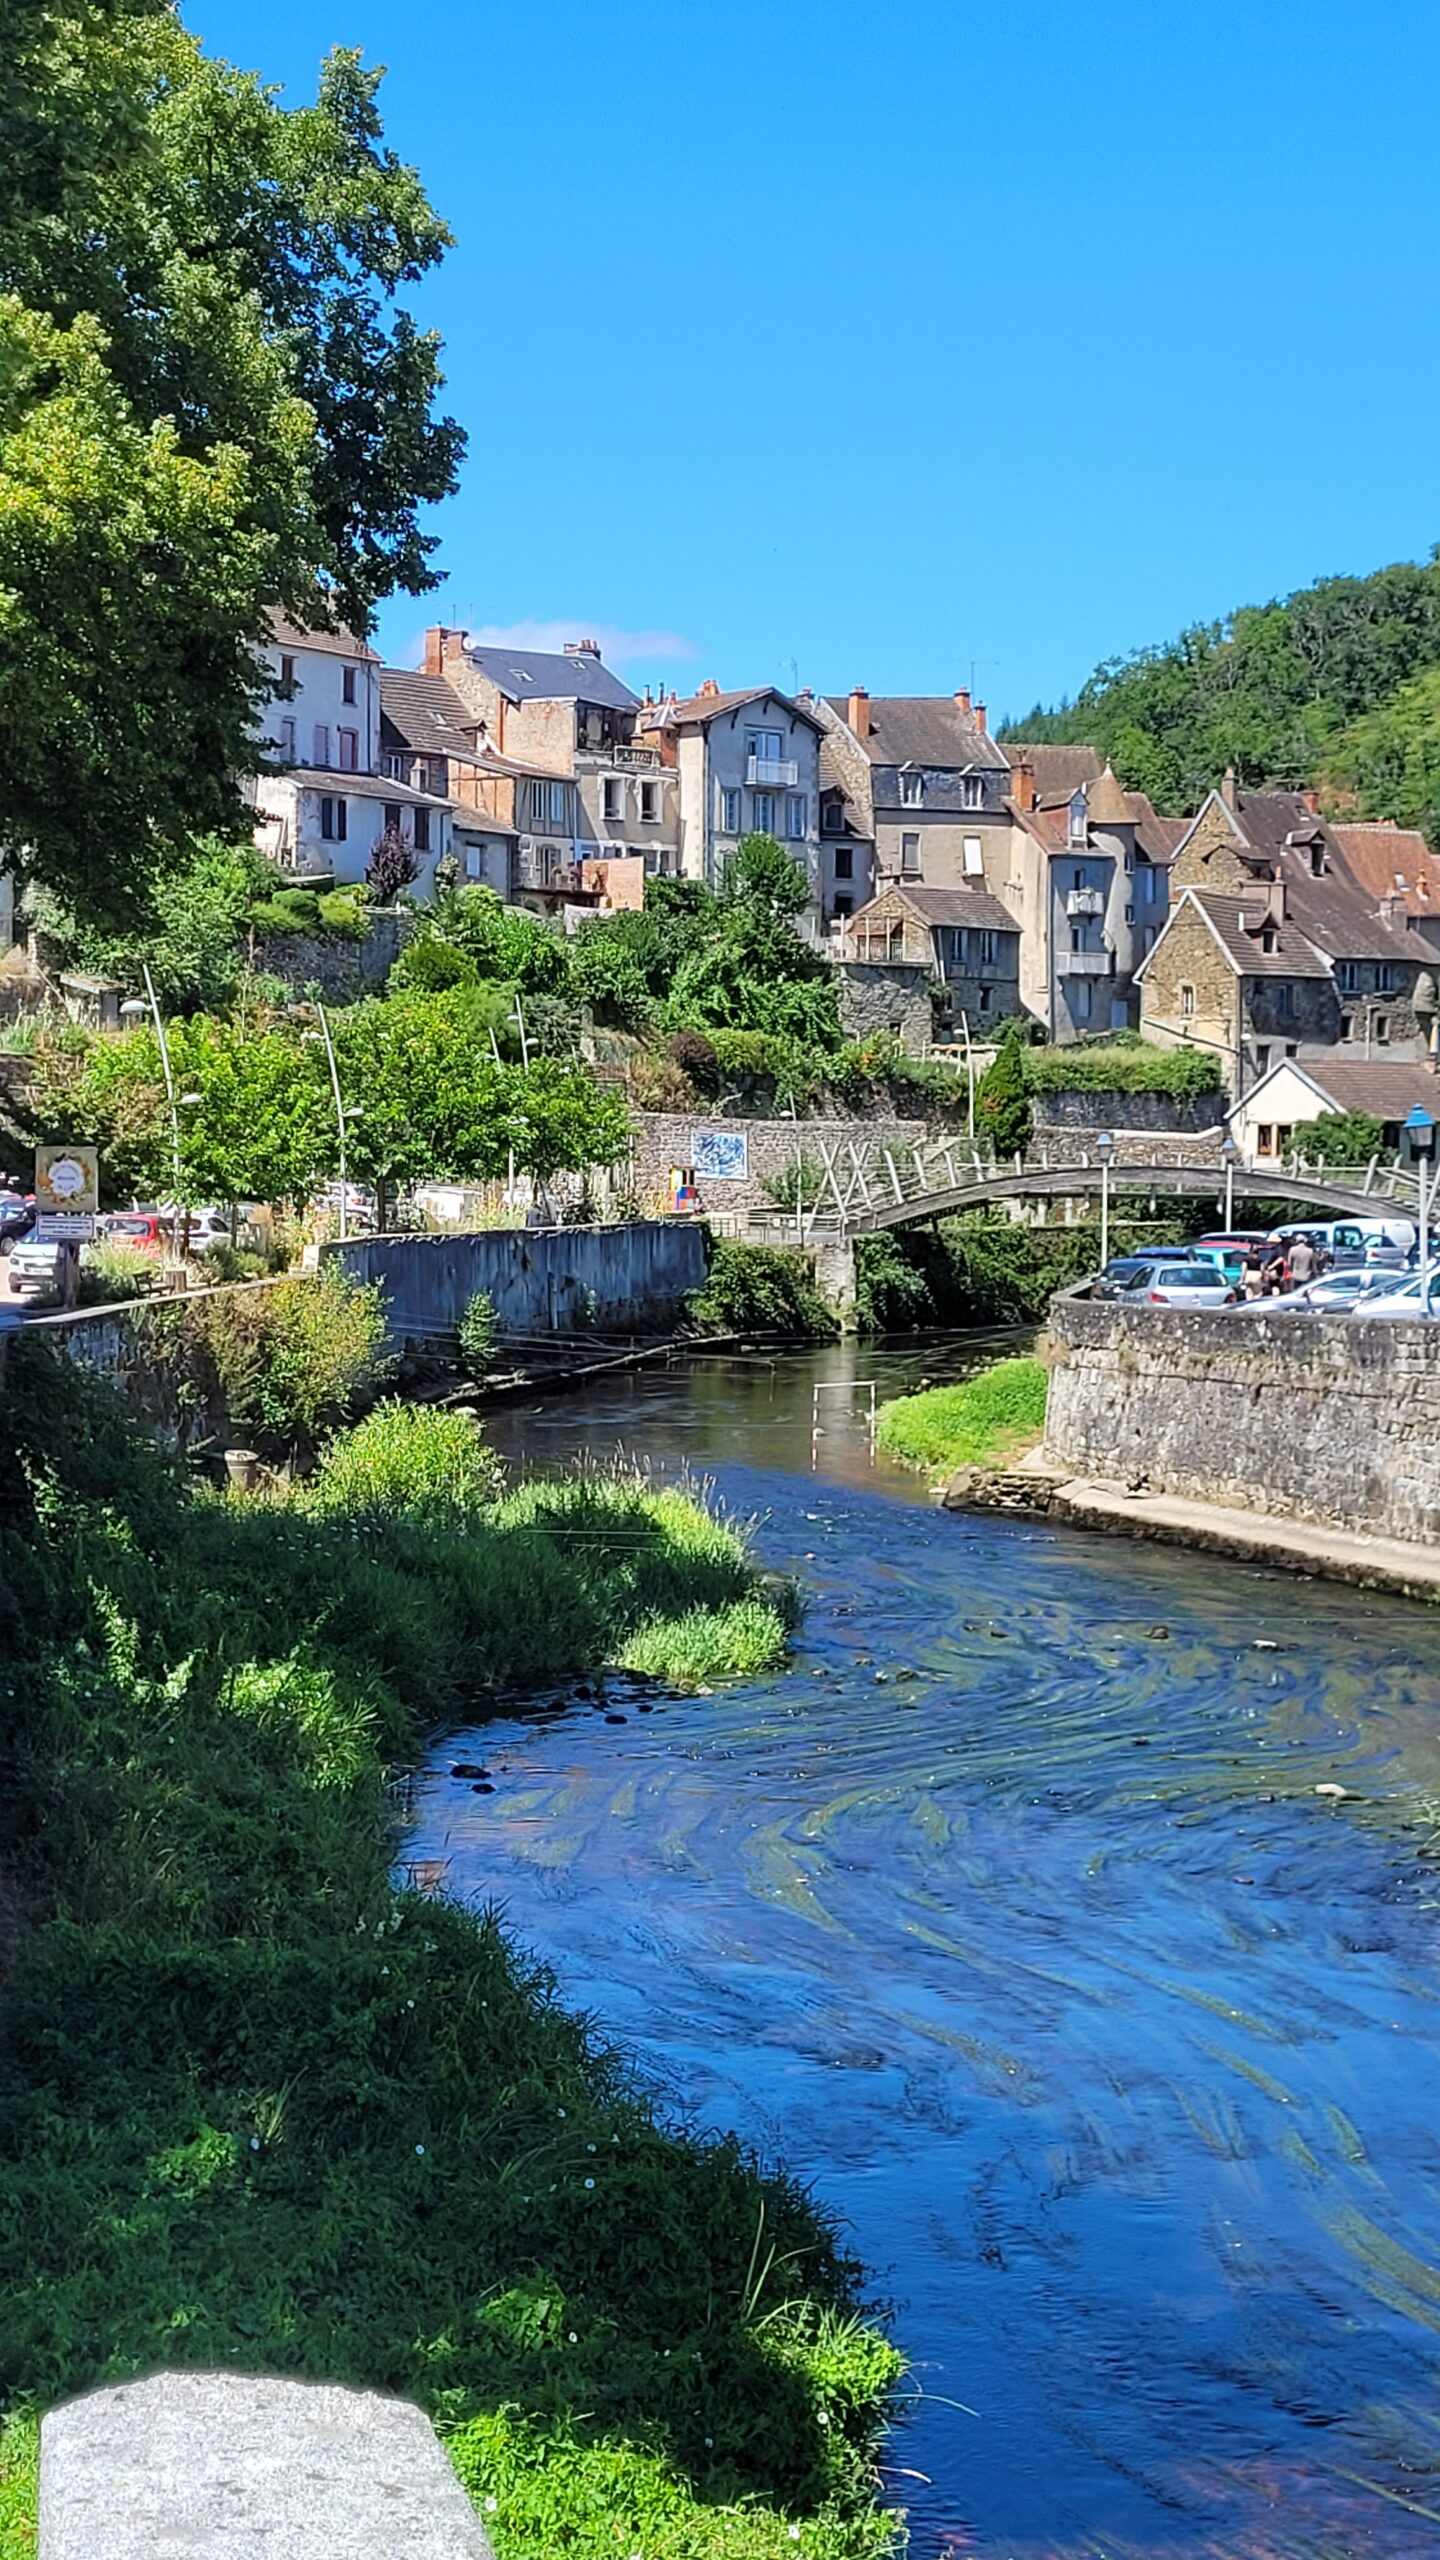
(1013, 1919)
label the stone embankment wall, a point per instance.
(628, 1279)
(664, 1139)
(1319, 1418)
(1149, 1111)
(339, 967)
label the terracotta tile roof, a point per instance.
(1385, 861)
(700, 708)
(1386, 1088)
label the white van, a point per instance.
(1383, 1244)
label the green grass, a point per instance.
(982, 1419)
(259, 2108)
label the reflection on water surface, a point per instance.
(1012, 1918)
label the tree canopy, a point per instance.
(211, 403)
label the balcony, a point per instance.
(543, 866)
(1085, 902)
(772, 773)
(1085, 964)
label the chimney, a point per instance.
(1227, 787)
(709, 687)
(441, 648)
(1312, 802)
(583, 649)
(980, 717)
(962, 703)
(1275, 902)
(857, 711)
(1022, 784)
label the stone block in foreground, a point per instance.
(228, 2466)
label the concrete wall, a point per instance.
(558, 1279)
(1322, 1418)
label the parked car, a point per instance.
(1411, 1299)
(17, 1217)
(1121, 1268)
(1382, 1243)
(1229, 1258)
(145, 1230)
(37, 1270)
(1178, 1284)
(1335, 1295)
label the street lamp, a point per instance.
(1105, 1147)
(1229, 1151)
(133, 1006)
(1420, 1130)
(342, 1116)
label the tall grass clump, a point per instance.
(479, 1327)
(987, 1417)
(260, 2108)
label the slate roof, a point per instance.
(1270, 818)
(1058, 771)
(1340, 920)
(926, 729)
(360, 786)
(551, 675)
(947, 906)
(1293, 957)
(1155, 837)
(426, 712)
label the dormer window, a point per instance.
(972, 791)
(1318, 864)
(1077, 816)
(1269, 939)
(912, 789)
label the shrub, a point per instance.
(892, 1292)
(404, 1459)
(983, 1417)
(478, 1328)
(695, 1055)
(112, 1272)
(757, 1288)
(393, 865)
(1338, 1137)
(290, 1359)
(343, 913)
(1123, 1063)
(797, 1186)
(431, 965)
(1002, 1101)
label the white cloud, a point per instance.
(617, 647)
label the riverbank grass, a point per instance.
(976, 1423)
(261, 2109)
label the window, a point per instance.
(1385, 978)
(1155, 883)
(798, 815)
(1129, 866)
(1129, 915)
(422, 830)
(1265, 1139)
(1317, 862)
(332, 820)
(1262, 1059)
(1269, 939)
(1347, 977)
(649, 803)
(1382, 1030)
(766, 745)
(612, 799)
(985, 995)
(1077, 880)
(730, 813)
(1080, 1001)
(972, 791)
(1292, 1048)
(989, 949)
(1077, 815)
(974, 858)
(474, 862)
(910, 856)
(1187, 1003)
(912, 789)
(347, 684)
(1284, 996)
(844, 906)
(322, 745)
(844, 862)
(1347, 1026)
(762, 812)
(832, 815)
(287, 740)
(347, 742)
(287, 671)
(437, 777)
(1077, 937)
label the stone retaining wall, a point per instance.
(1075, 1109)
(1319, 1418)
(625, 1279)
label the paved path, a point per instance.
(1339, 1555)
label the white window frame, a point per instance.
(347, 750)
(322, 746)
(287, 740)
(762, 812)
(729, 812)
(912, 789)
(797, 817)
(612, 800)
(767, 746)
(974, 858)
(972, 791)
(910, 857)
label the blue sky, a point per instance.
(834, 344)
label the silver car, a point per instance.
(1177, 1284)
(1335, 1295)
(1412, 1300)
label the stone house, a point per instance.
(745, 763)
(1264, 1122)
(1297, 960)
(967, 939)
(1395, 871)
(564, 712)
(1088, 882)
(847, 821)
(324, 799)
(938, 787)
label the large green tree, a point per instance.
(211, 403)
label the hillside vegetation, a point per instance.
(1337, 685)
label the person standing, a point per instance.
(1302, 1262)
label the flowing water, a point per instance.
(1014, 1919)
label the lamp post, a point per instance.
(1229, 1151)
(343, 1116)
(1420, 1130)
(1105, 1146)
(134, 1007)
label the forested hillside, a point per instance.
(1337, 685)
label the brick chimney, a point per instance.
(1312, 802)
(1227, 787)
(962, 703)
(1022, 784)
(708, 687)
(980, 717)
(442, 647)
(857, 711)
(1275, 901)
